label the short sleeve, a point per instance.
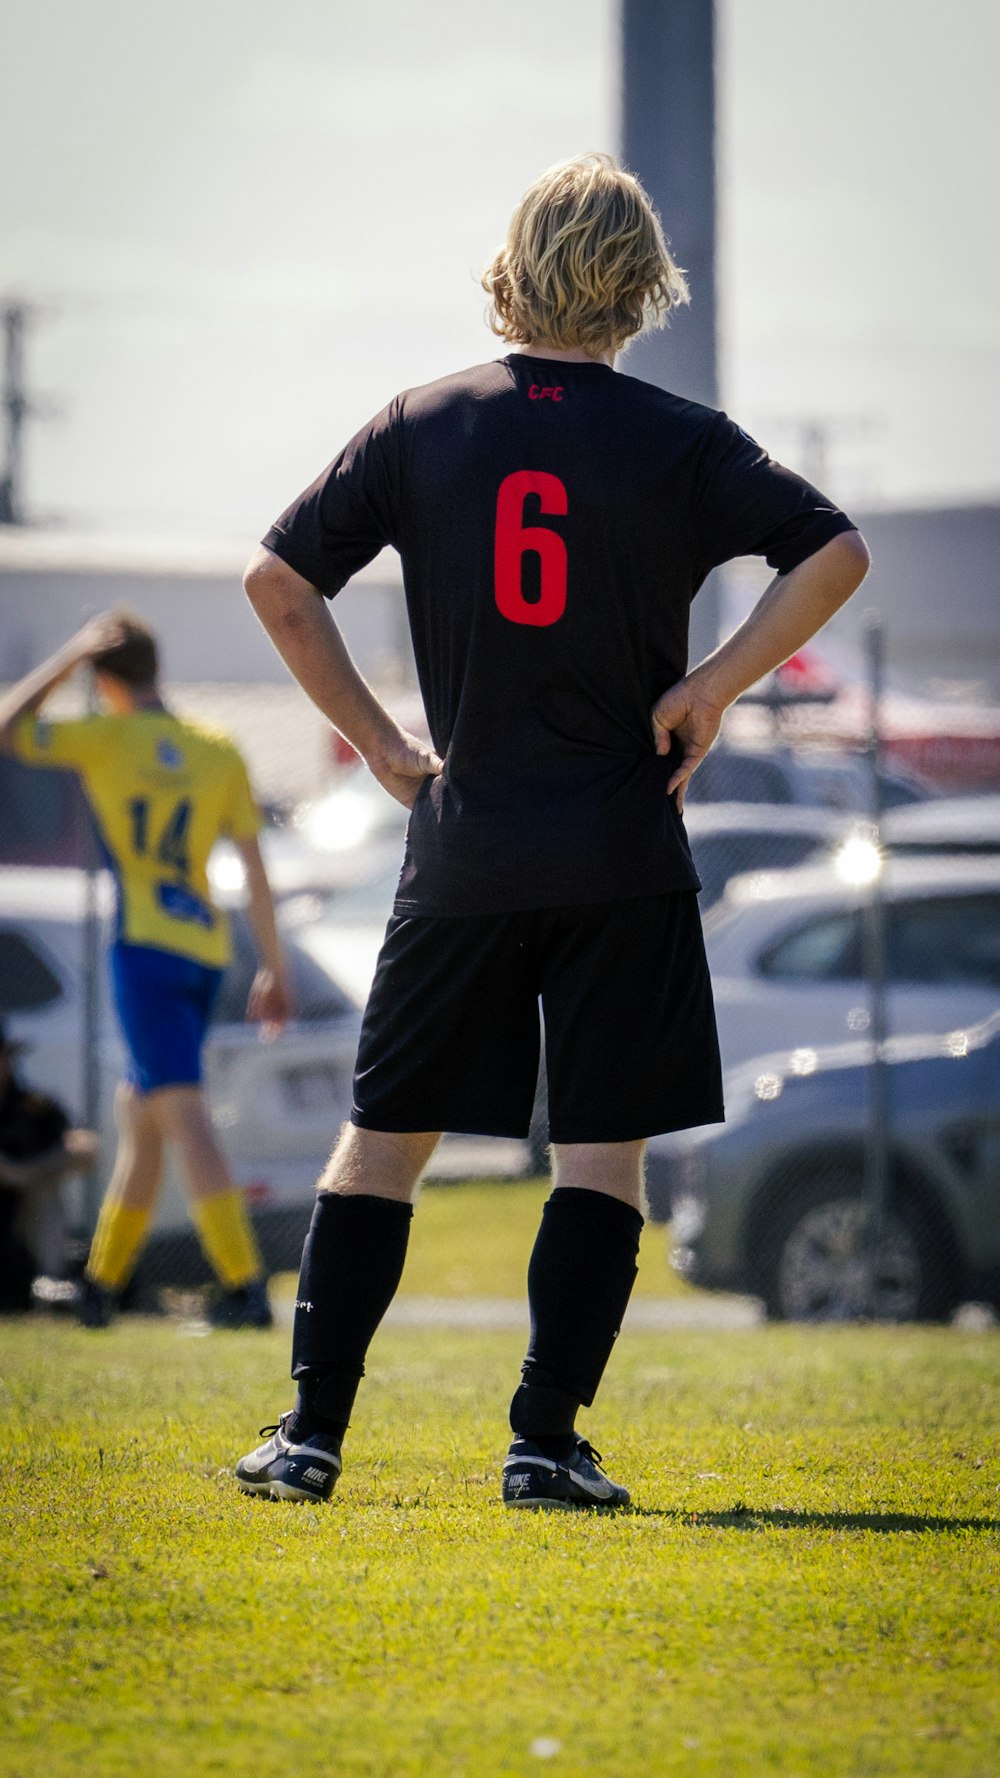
(748, 505)
(72, 744)
(348, 514)
(241, 818)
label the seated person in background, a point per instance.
(38, 1148)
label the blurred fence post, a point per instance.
(90, 1029)
(876, 1174)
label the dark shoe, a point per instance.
(531, 1479)
(246, 1307)
(284, 1470)
(95, 1306)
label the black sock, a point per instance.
(352, 1262)
(580, 1278)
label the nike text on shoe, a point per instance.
(531, 1479)
(282, 1470)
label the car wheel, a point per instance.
(813, 1260)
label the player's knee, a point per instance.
(616, 1168)
(380, 1163)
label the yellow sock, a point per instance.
(227, 1237)
(118, 1238)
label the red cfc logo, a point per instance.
(545, 392)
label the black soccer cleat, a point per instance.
(531, 1479)
(282, 1470)
(245, 1307)
(95, 1306)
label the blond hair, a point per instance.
(585, 263)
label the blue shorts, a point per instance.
(164, 1003)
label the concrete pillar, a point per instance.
(668, 140)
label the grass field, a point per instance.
(807, 1583)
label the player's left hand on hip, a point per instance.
(684, 714)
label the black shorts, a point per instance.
(450, 1039)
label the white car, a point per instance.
(966, 824)
(785, 946)
(276, 1106)
(728, 839)
(787, 953)
(343, 838)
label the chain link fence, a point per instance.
(852, 914)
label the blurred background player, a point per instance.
(38, 1150)
(162, 791)
(555, 520)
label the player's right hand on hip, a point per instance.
(402, 765)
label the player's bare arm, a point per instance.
(792, 609)
(29, 694)
(270, 1001)
(298, 621)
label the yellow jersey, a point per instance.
(162, 791)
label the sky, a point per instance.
(247, 227)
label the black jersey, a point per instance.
(554, 522)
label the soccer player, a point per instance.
(555, 519)
(162, 791)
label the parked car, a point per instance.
(276, 1106)
(818, 777)
(352, 833)
(948, 824)
(786, 947)
(344, 927)
(786, 950)
(729, 839)
(772, 1201)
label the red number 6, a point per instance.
(513, 538)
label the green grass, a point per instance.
(807, 1584)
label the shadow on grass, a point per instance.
(750, 1518)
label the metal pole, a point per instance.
(15, 408)
(91, 1023)
(876, 1178)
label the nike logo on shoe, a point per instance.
(597, 1486)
